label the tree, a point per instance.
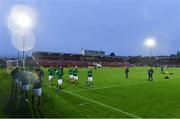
(112, 54)
(178, 54)
(172, 55)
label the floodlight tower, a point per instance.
(22, 18)
(150, 43)
(24, 21)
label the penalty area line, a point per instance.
(104, 105)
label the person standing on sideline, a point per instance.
(150, 74)
(37, 82)
(14, 75)
(162, 69)
(24, 77)
(126, 71)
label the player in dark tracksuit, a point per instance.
(14, 75)
(24, 87)
(150, 74)
(38, 77)
(162, 69)
(126, 71)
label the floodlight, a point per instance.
(23, 20)
(150, 43)
(21, 17)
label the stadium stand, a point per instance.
(47, 59)
(156, 61)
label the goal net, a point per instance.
(12, 64)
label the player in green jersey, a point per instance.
(90, 78)
(70, 75)
(59, 76)
(75, 76)
(51, 75)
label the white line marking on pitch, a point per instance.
(84, 103)
(107, 106)
(105, 87)
(95, 88)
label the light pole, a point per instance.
(22, 18)
(24, 59)
(150, 43)
(150, 55)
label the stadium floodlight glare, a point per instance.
(150, 43)
(21, 17)
(23, 20)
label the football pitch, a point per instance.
(111, 96)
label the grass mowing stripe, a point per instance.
(107, 106)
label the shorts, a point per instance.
(75, 77)
(50, 77)
(60, 81)
(71, 76)
(25, 87)
(16, 81)
(37, 92)
(90, 79)
(20, 83)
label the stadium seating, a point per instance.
(47, 59)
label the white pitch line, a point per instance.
(95, 88)
(84, 103)
(105, 87)
(107, 106)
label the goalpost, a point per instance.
(12, 64)
(35, 60)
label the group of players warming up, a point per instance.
(22, 79)
(57, 73)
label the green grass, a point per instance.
(111, 96)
